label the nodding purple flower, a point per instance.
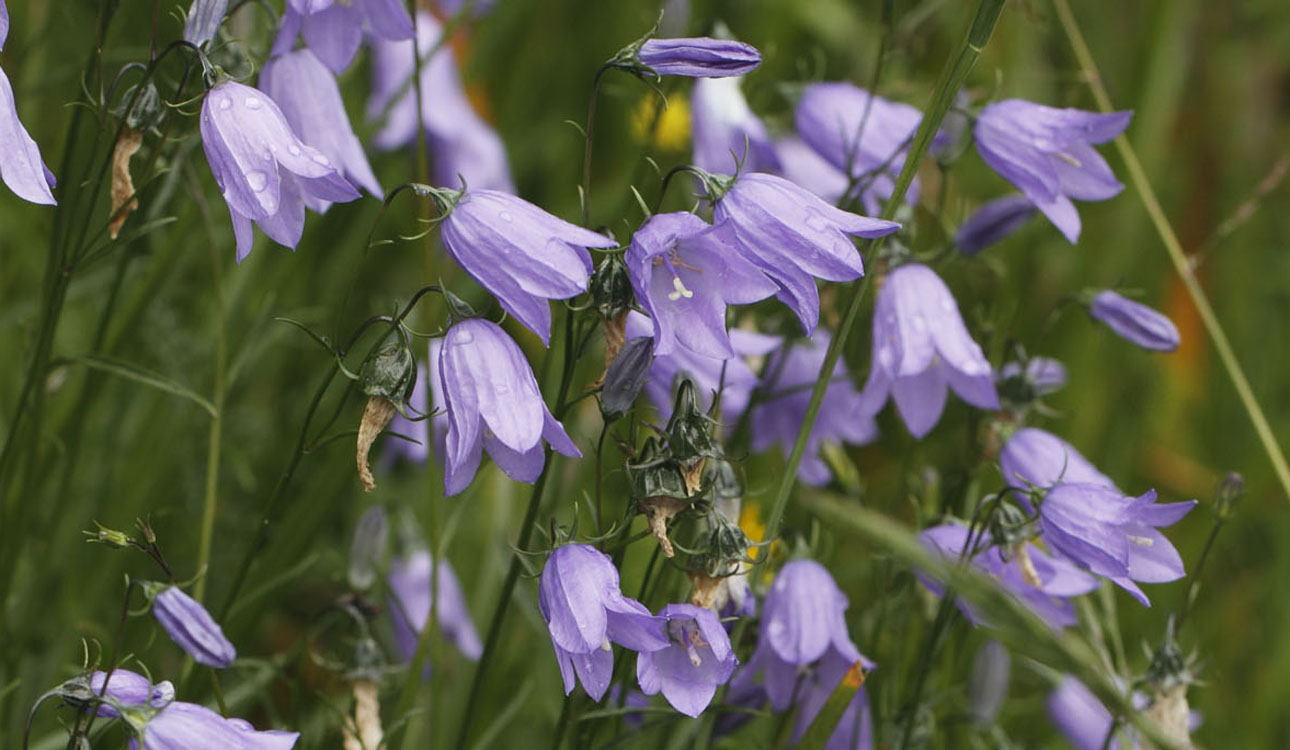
(263, 170)
(1135, 322)
(420, 429)
(21, 166)
(794, 238)
(309, 98)
(204, 18)
(726, 130)
(865, 137)
(698, 57)
(333, 29)
(803, 165)
(776, 418)
(521, 254)
(129, 689)
(921, 347)
(409, 604)
(1048, 154)
(1080, 716)
(1041, 459)
(697, 659)
(991, 673)
(584, 610)
(993, 222)
(1042, 582)
(685, 272)
(190, 626)
(493, 402)
(1112, 535)
(183, 726)
(1042, 375)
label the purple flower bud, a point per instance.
(685, 272)
(334, 30)
(699, 57)
(1044, 375)
(409, 605)
(1048, 154)
(1041, 459)
(920, 346)
(21, 166)
(493, 402)
(725, 129)
(204, 18)
(1135, 322)
(584, 610)
(189, 624)
(803, 165)
(697, 659)
(993, 222)
(521, 254)
(130, 689)
(794, 238)
(263, 170)
(183, 726)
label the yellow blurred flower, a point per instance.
(670, 124)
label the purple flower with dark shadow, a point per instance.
(1135, 322)
(185, 726)
(685, 272)
(1042, 375)
(1048, 154)
(1112, 535)
(493, 402)
(1041, 459)
(803, 165)
(584, 610)
(921, 347)
(778, 415)
(127, 689)
(409, 604)
(263, 170)
(420, 429)
(698, 57)
(521, 254)
(697, 659)
(794, 238)
(189, 624)
(726, 130)
(204, 18)
(1042, 582)
(333, 29)
(1080, 716)
(993, 222)
(309, 98)
(21, 166)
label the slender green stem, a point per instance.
(210, 499)
(588, 136)
(1138, 177)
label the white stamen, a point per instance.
(1141, 541)
(605, 646)
(1071, 160)
(681, 291)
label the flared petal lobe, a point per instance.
(190, 626)
(21, 165)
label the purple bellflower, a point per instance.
(263, 170)
(493, 402)
(1048, 154)
(1080, 716)
(803, 165)
(685, 272)
(1043, 375)
(1115, 536)
(697, 659)
(993, 222)
(1135, 322)
(794, 238)
(521, 254)
(1041, 459)
(21, 166)
(127, 689)
(333, 29)
(309, 98)
(1042, 582)
(409, 581)
(584, 610)
(184, 726)
(189, 624)
(698, 57)
(920, 346)
(726, 130)
(778, 416)
(204, 18)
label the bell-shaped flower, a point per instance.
(1080, 716)
(423, 431)
(409, 580)
(993, 222)
(521, 254)
(921, 347)
(697, 659)
(685, 272)
(698, 57)
(803, 165)
(726, 130)
(1112, 535)
(1048, 154)
(585, 610)
(493, 402)
(126, 689)
(21, 166)
(263, 170)
(203, 21)
(1038, 458)
(333, 29)
(786, 393)
(795, 237)
(1134, 322)
(188, 624)
(184, 726)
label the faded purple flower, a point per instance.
(584, 610)
(1113, 535)
(991, 673)
(778, 416)
(128, 688)
(21, 166)
(993, 222)
(333, 29)
(920, 346)
(726, 130)
(1042, 375)
(204, 18)
(794, 238)
(1080, 716)
(493, 402)
(1135, 322)
(698, 57)
(1048, 154)
(685, 272)
(189, 624)
(697, 659)
(263, 170)
(801, 164)
(409, 604)
(185, 726)
(1041, 459)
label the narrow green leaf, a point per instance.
(140, 375)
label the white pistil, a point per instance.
(681, 291)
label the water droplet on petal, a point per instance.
(294, 149)
(505, 216)
(224, 103)
(253, 102)
(257, 179)
(947, 304)
(319, 158)
(885, 357)
(817, 222)
(918, 322)
(463, 337)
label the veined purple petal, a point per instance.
(204, 19)
(334, 34)
(1042, 459)
(130, 689)
(21, 166)
(803, 165)
(699, 57)
(190, 626)
(1135, 322)
(725, 129)
(800, 617)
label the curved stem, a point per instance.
(588, 134)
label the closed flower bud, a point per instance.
(189, 624)
(1134, 322)
(993, 222)
(695, 57)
